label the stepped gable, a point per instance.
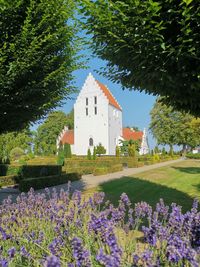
(68, 137)
(108, 94)
(129, 134)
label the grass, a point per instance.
(179, 183)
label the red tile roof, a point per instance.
(108, 94)
(68, 137)
(129, 134)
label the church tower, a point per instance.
(97, 118)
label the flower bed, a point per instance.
(60, 229)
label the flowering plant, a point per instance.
(63, 229)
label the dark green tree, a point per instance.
(117, 151)
(61, 157)
(94, 155)
(131, 150)
(67, 151)
(37, 57)
(100, 150)
(89, 156)
(47, 133)
(150, 46)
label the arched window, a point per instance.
(91, 142)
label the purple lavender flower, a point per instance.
(11, 252)
(81, 255)
(52, 261)
(3, 263)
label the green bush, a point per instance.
(100, 150)
(117, 151)
(193, 156)
(101, 171)
(89, 156)
(31, 171)
(43, 182)
(61, 157)
(16, 153)
(8, 180)
(67, 151)
(81, 170)
(115, 168)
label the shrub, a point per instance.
(61, 157)
(101, 171)
(94, 156)
(193, 156)
(89, 156)
(156, 157)
(115, 168)
(43, 182)
(31, 171)
(67, 151)
(16, 153)
(8, 180)
(100, 150)
(131, 150)
(117, 151)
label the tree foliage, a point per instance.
(89, 156)
(9, 141)
(16, 153)
(100, 150)
(67, 151)
(172, 127)
(37, 57)
(47, 133)
(151, 46)
(117, 151)
(125, 144)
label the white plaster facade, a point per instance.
(144, 149)
(95, 119)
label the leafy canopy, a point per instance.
(37, 56)
(47, 133)
(173, 127)
(151, 46)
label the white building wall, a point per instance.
(91, 126)
(115, 128)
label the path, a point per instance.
(90, 181)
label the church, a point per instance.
(98, 119)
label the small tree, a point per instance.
(117, 151)
(131, 150)
(89, 156)
(100, 150)
(67, 151)
(163, 151)
(156, 150)
(61, 157)
(16, 153)
(94, 156)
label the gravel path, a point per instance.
(90, 181)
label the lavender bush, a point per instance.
(60, 229)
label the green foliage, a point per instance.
(151, 46)
(117, 151)
(193, 156)
(125, 145)
(38, 55)
(16, 153)
(172, 127)
(47, 133)
(156, 150)
(9, 141)
(163, 151)
(61, 157)
(100, 171)
(43, 182)
(131, 150)
(31, 171)
(100, 150)
(8, 180)
(171, 152)
(89, 156)
(67, 151)
(94, 155)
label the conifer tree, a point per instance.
(89, 156)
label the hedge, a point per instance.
(81, 170)
(47, 181)
(115, 168)
(193, 156)
(100, 171)
(8, 180)
(30, 171)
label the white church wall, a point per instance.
(93, 125)
(115, 128)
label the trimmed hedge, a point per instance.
(8, 180)
(101, 171)
(30, 171)
(47, 181)
(81, 170)
(193, 156)
(115, 168)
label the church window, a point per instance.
(95, 110)
(95, 100)
(86, 101)
(91, 142)
(86, 110)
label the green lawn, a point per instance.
(178, 183)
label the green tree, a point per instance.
(47, 133)
(131, 150)
(163, 151)
(94, 155)
(61, 157)
(150, 46)
(37, 57)
(16, 153)
(172, 127)
(9, 141)
(89, 156)
(156, 150)
(100, 150)
(117, 151)
(125, 144)
(67, 151)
